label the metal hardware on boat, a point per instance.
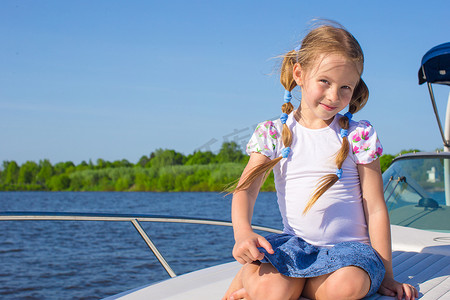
(399, 179)
(442, 239)
(154, 249)
(388, 184)
(432, 70)
(134, 219)
(433, 103)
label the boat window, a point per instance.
(415, 193)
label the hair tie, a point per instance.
(339, 173)
(287, 96)
(348, 115)
(285, 152)
(344, 133)
(283, 118)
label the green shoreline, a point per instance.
(161, 171)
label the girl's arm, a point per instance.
(246, 241)
(377, 218)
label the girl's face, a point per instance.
(327, 88)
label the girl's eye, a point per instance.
(346, 87)
(324, 81)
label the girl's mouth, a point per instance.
(327, 107)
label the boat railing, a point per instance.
(135, 219)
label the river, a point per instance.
(95, 259)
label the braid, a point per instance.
(287, 80)
(286, 133)
(266, 168)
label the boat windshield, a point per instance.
(415, 192)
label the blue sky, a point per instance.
(84, 80)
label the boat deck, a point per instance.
(429, 273)
(420, 258)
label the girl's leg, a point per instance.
(346, 283)
(264, 282)
(235, 285)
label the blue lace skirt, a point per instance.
(294, 257)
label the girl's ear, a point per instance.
(297, 74)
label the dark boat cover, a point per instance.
(435, 66)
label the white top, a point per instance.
(338, 214)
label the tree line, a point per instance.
(164, 170)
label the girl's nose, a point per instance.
(333, 94)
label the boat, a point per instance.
(417, 193)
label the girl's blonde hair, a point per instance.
(323, 40)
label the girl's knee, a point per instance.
(268, 284)
(274, 289)
(348, 283)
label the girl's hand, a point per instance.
(390, 287)
(239, 294)
(246, 247)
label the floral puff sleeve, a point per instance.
(364, 143)
(264, 140)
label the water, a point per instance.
(93, 259)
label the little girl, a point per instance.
(336, 241)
